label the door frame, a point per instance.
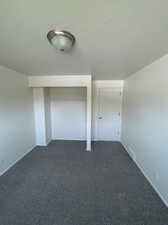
(39, 83)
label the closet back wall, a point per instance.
(68, 113)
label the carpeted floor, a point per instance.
(63, 185)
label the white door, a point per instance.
(109, 114)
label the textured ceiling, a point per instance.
(114, 37)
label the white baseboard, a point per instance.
(106, 140)
(48, 141)
(147, 177)
(44, 144)
(65, 139)
(12, 164)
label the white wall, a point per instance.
(60, 81)
(42, 114)
(47, 107)
(39, 115)
(145, 122)
(16, 118)
(68, 113)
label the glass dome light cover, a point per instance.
(61, 40)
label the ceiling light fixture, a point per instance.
(61, 40)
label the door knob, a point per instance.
(100, 117)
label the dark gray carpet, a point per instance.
(63, 185)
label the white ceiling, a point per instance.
(114, 37)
